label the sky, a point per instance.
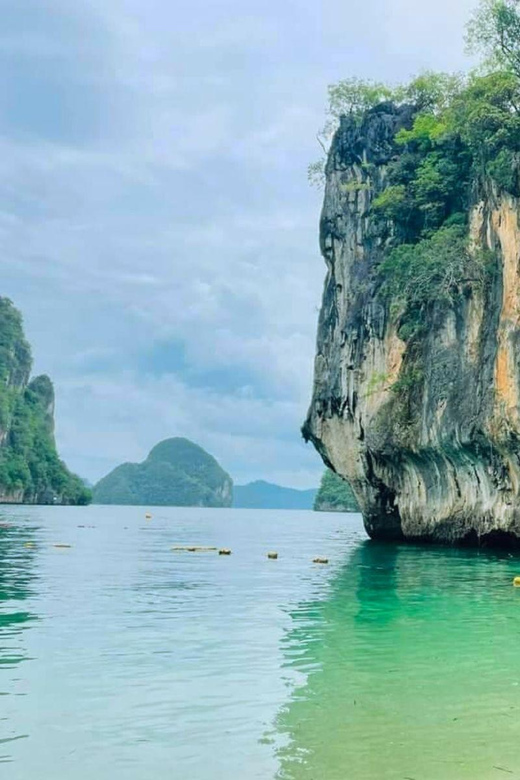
(157, 229)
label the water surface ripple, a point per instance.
(120, 658)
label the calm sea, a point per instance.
(121, 659)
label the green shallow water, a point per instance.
(122, 659)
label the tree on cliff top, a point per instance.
(463, 131)
(353, 97)
(494, 30)
(481, 108)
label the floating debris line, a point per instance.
(194, 549)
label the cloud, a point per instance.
(156, 226)
(130, 413)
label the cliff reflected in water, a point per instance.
(411, 668)
(17, 577)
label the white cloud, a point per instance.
(176, 210)
(130, 413)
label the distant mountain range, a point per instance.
(265, 495)
(178, 472)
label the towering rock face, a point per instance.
(30, 468)
(427, 434)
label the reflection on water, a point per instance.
(17, 553)
(148, 663)
(122, 659)
(412, 669)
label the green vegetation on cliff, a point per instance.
(458, 142)
(415, 396)
(30, 469)
(177, 472)
(334, 495)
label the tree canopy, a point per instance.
(479, 111)
(334, 495)
(461, 136)
(494, 31)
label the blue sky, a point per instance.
(156, 226)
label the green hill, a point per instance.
(177, 472)
(30, 468)
(335, 495)
(265, 495)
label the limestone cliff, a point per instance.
(426, 431)
(30, 468)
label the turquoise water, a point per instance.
(120, 658)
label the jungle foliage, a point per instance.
(334, 495)
(464, 134)
(177, 472)
(29, 464)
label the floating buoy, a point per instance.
(148, 516)
(62, 546)
(224, 551)
(29, 544)
(516, 582)
(321, 560)
(273, 556)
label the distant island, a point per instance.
(335, 495)
(177, 472)
(31, 471)
(265, 495)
